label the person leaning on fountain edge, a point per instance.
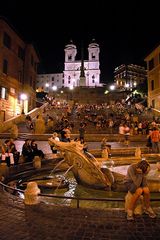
(136, 183)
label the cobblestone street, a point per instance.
(40, 222)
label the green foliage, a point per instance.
(142, 87)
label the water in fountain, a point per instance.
(53, 170)
(62, 178)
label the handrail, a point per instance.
(78, 199)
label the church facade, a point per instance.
(73, 68)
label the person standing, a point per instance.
(126, 134)
(81, 131)
(52, 145)
(121, 133)
(155, 137)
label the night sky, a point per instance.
(125, 30)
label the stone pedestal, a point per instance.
(31, 194)
(138, 152)
(37, 162)
(4, 171)
(105, 153)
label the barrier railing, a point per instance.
(78, 199)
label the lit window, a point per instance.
(5, 66)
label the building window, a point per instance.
(32, 61)
(3, 93)
(152, 85)
(6, 40)
(93, 78)
(93, 56)
(35, 66)
(70, 57)
(20, 76)
(151, 64)
(5, 66)
(21, 53)
(34, 85)
(52, 79)
(31, 81)
(153, 103)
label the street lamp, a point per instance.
(47, 87)
(23, 98)
(112, 87)
(71, 89)
(54, 88)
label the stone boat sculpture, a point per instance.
(86, 168)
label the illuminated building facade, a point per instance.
(72, 67)
(49, 82)
(153, 77)
(72, 70)
(129, 76)
(18, 72)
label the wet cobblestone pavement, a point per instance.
(44, 222)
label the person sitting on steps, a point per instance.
(16, 154)
(35, 150)
(136, 183)
(27, 151)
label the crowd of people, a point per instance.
(11, 156)
(117, 116)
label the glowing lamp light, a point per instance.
(54, 88)
(106, 92)
(71, 87)
(112, 87)
(23, 96)
(47, 84)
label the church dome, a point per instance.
(70, 45)
(93, 44)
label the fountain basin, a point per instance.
(47, 182)
(153, 176)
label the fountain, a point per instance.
(80, 174)
(88, 172)
(85, 167)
